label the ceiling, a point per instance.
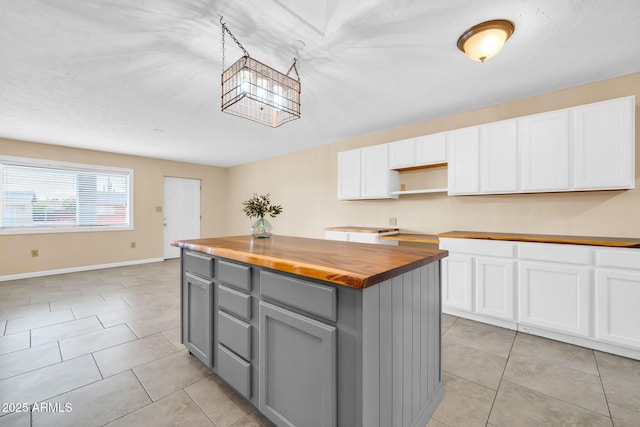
(142, 77)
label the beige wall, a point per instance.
(67, 250)
(305, 183)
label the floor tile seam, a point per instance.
(34, 369)
(604, 391)
(137, 409)
(96, 351)
(93, 357)
(504, 369)
(41, 314)
(196, 403)
(67, 321)
(559, 399)
(470, 381)
(474, 324)
(441, 422)
(90, 332)
(552, 362)
(46, 399)
(480, 350)
(449, 327)
(30, 315)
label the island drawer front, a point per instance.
(234, 302)
(235, 275)
(235, 334)
(198, 263)
(310, 297)
(235, 371)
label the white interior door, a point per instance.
(181, 212)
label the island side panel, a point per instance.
(401, 379)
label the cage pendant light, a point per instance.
(257, 92)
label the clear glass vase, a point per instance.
(261, 229)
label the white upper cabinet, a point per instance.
(431, 149)
(544, 151)
(402, 154)
(604, 145)
(463, 152)
(349, 175)
(364, 174)
(377, 180)
(589, 147)
(421, 151)
(499, 157)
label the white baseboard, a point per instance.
(76, 269)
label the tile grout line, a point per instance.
(495, 397)
(604, 392)
(196, 403)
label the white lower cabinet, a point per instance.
(457, 282)
(360, 237)
(555, 297)
(617, 307)
(584, 295)
(494, 287)
(617, 295)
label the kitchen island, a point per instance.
(317, 332)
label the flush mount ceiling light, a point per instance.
(257, 92)
(484, 40)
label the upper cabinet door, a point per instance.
(464, 161)
(349, 175)
(604, 145)
(499, 157)
(544, 151)
(402, 154)
(431, 149)
(376, 176)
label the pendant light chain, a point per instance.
(294, 68)
(225, 28)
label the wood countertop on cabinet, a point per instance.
(411, 237)
(356, 229)
(617, 242)
(357, 265)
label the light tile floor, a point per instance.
(107, 342)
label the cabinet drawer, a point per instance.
(310, 297)
(234, 302)
(567, 254)
(198, 263)
(234, 334)
(235, 275)
(235, 371)
(619, 258)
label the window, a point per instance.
(44, 196)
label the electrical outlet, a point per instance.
(393, 220)
(133, 245)
(34, 253)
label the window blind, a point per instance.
(39, 195)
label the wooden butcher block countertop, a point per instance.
(357, 265)
(617, 242)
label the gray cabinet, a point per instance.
(311, 353)
(298, 371)
(234, 333)
(197, 312)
